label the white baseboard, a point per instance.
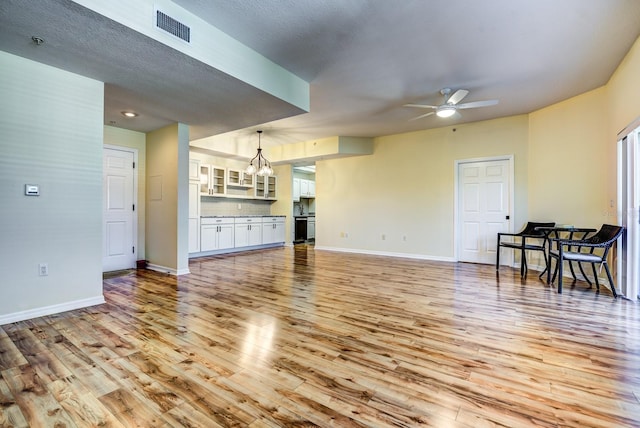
(50, 310)
(386, 253)
(168, 270)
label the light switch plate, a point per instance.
(32, 190)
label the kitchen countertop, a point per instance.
(240, 215)
(304, 215)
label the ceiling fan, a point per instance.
(450, 105)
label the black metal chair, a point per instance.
(593, 249)
(529, 239)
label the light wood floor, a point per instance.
(294, 337)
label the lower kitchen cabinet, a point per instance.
(216, 234)
(194, 235)
(311, 228)
(226, 234)
(273, 230)
(248, 231)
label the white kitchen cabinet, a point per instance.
(273, 230)
(194, 169)
(212, 180)
(248, 231)
(194, 235)
(311, 228)
(307, 188)
(304, 187)
(296, 190)
(216, 233)
(266, 187)
(237, 178)
(194, 216)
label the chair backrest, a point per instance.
(530, 228)
(606, 236)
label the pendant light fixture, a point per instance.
(263, 166)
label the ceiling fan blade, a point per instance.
(419, 106)
(457, 96)
(423, 115)
(475, 104)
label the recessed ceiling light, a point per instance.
(129, 114)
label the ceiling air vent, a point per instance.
(173, 26)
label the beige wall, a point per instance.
(406, 188)
(167, 199)
(134, 140)
(623, 104)
(572, 160)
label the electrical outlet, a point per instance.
(404, 238)
(383, 237)
(239, 206)
(43, 269)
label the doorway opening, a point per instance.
(628, 262)
(304, 204)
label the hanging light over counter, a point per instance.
(262, 166)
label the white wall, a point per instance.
(51, 134)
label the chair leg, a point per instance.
(546, 265)
(613, 287)
(559, 275)
(498, 254)
(595, 276)
(523, 264)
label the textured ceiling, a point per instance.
(364, 59)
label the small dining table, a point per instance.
(570, 233)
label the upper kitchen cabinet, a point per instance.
(266, 187)
(239, 178)
(212, 180)
(296, 190)
(194, 170)
(307, 188)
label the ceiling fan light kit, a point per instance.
(445, 110)
(450, 105)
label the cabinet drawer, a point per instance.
(273, 219)
(215, 220)
(248, 220)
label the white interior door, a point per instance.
(484, 193)
(119, 250)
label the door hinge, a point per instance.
(134, 207)
(134, 165)
(133, 250)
